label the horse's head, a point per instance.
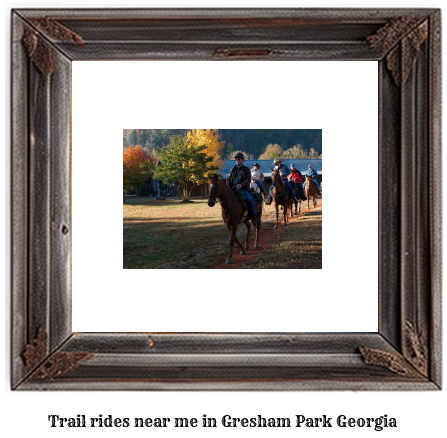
(310, 185)
(276, 178)
(213, 190)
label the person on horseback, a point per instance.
(240, 177)
(313, 173)
(295, 177)
(258, 177)
(285, 172)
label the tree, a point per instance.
(133, 137)
(141, 137)
(125, 138)
(210, 139)
(184, 164)
(295, 152)
(153, 154)
(314, 154)
(252, 141)
(137, 166)
(229, 150)
(271, 152)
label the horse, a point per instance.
(233, 213)
(311, 190)
(298, 195)
(280, 193)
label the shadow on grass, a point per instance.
(160, 219)
(201, 241)
(184, 244)
(161, 202)
(299, 246)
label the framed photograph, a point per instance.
(159, 192)
(49, 352)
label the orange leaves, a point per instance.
(137, 166)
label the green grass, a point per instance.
(298, 246)
(170, 234)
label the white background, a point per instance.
(275, 95)
(26, 413)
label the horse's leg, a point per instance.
(258, 225)
(232, 238)
(286, 209)
(247, 235)
(276, 223)
(257, 229)
(236, 240)
(297, 196)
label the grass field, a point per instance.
(301, 241)
(170, 234)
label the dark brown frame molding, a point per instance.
(405, 354)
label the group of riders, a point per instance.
(241, 176)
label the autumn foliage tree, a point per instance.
(314, 154)
(184, 164)
(295, 152)
(137, 166)
(271, 152)
(209, 138)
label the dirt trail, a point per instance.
(265, 237)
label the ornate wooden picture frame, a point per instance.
(405, 353)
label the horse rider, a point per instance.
(240, 177)
(313, 173)
(285, 172)
(258, 177)
(295, 177)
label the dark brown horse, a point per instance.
(233, 213)
(280, 194)
(297, 196)
(311, 191)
